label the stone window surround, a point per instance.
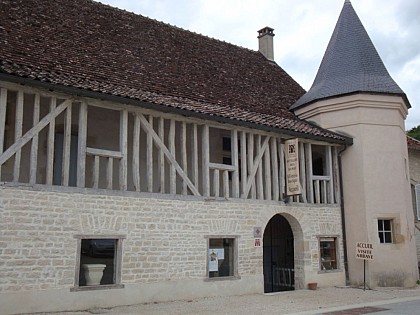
(236, 275)
(336, 239)
(117, 262)
(392, 230)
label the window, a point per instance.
(385, 231)
(99, 262)
(328, 253)
(319, 160)
(221, 257)
(227, 153)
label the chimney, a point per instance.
(265, 42)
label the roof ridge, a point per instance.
(172, 25)
(414, 139)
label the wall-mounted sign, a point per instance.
(257, 232)
(257, 242)
(364, 251)
(292, 167)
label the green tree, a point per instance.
(414, 132)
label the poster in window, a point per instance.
(292, 167)
(215, 254)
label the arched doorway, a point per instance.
(278, 258)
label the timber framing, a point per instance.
(77, 92)
(148, 151)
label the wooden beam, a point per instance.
(123, 149)
(302, 171)
(260, 185)
(309, 179)
(329, 162)
(250, 165)
(282, 173)
(195, 155)
(184, 155)
(267, 173)
(109, 173)
(205, 147)
(81, 151)
(222, 167)
(336, 176)
(18, 134)
(3, 108)
(275, 168)
(216, 183)
(161, 164)
(32, 132)
(104, 153)
(324, 191)
(317, 191)
(65, 171)
(50, 145)
(95, 177)
(244, 171)
(256, 165)
(136, 153)
(235, 163)
(35, 141)
(149, 156)
(226, 184)
(149, 129)
(172, 170)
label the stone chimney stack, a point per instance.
(265, 42)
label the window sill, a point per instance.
(329, 271)
(222, 278)
(97, 287)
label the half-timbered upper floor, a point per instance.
(49, 138)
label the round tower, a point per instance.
(354, 94)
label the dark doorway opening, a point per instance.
(279, 273)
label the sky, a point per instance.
(302, 31)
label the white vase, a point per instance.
(93, 273)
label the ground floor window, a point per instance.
(222, 257)
(99, 262)
(385, 231)
(328, 253)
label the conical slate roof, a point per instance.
(351, 64)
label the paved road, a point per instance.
(403, 308)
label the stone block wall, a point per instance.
(164, 238)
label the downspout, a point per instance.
(343, 218)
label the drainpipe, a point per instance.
(343, 218)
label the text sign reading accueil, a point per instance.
(364, 251)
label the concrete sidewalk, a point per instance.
(303, 302)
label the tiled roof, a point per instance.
(351, 64)
(413, 144)
(86, 45)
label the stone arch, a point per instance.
(296, 219)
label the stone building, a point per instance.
(414, 163)
(178, 166)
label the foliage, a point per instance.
(414, 132)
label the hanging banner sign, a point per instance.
(292, 167)
(364, 251)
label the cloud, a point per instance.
(302, 31)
